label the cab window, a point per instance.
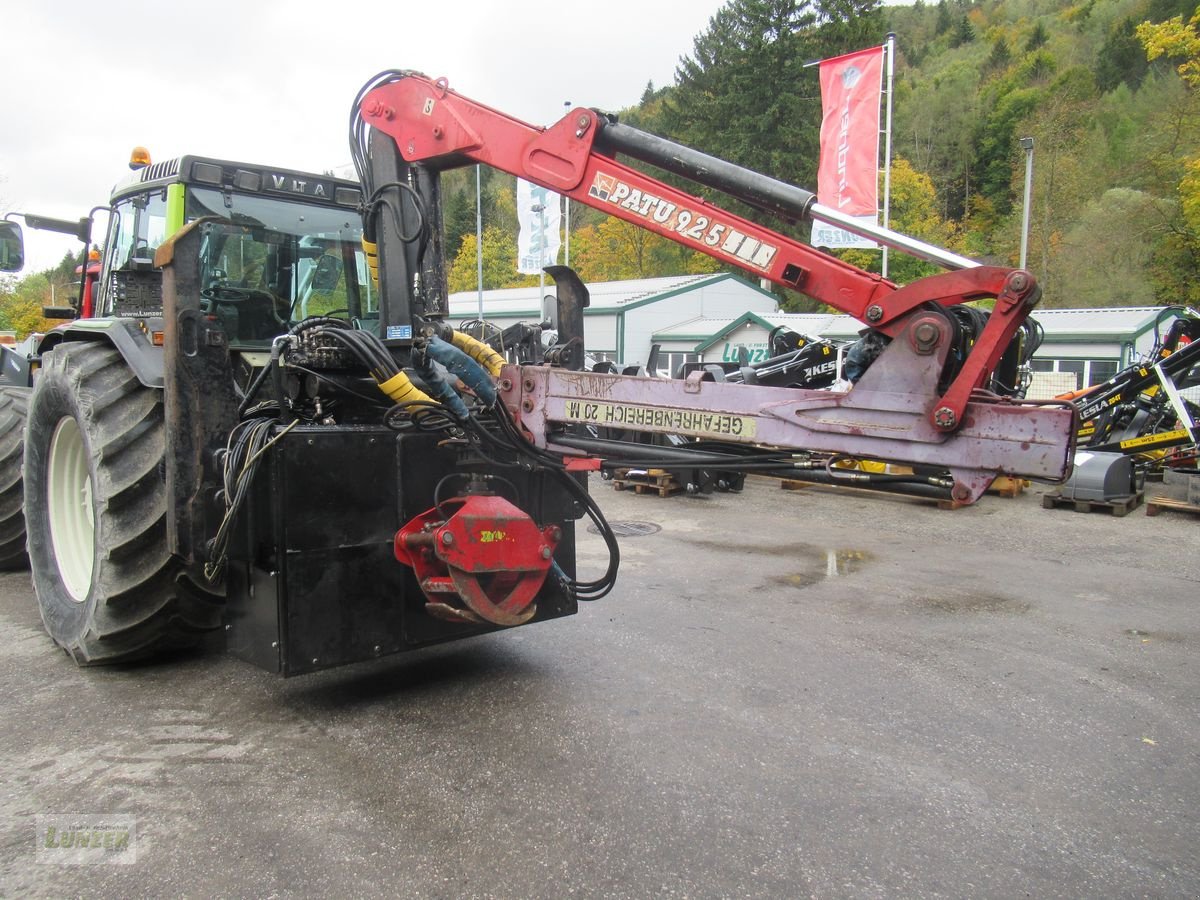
(141, 225)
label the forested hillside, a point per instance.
(1109, 90)
(1112, 104)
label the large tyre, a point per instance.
(95, 507)
(14, 402)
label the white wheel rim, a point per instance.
(72, 522)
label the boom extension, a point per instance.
(916, 403)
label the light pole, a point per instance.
(1027, 146)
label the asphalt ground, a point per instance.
(789, 694)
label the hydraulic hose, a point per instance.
(401, 389)
(423, 362)
(371, 249)
(480, 352)
(459, 363)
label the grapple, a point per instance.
(481, 562)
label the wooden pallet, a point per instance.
(1005, 486)
(650, 481)
(1157, 504)
(1121, 506)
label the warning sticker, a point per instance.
(653, 418)
(697, 225)
(1179, 433)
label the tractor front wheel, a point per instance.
(95, 509)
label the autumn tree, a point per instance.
(616, 250)
(21, 304)
(499, 262)
(915, 212)
(1179, 254)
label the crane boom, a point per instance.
(923, 400)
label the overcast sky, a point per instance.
(271, 81)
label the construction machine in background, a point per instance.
(1140, 420)
(339, 480)
(1142, 410)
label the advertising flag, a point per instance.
(848, 174)
(539, 214)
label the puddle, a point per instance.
(821, 565)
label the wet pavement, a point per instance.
(789, 694)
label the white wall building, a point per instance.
(706, 318)
(623, 317)
(1079, 346)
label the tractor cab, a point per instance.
(284, 247)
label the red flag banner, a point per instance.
(848, 175)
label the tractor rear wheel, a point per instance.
(14, 401)
(95, 508)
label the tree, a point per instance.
(744, 93)
(499, 262)
(616, 250)
(914, 212)
(934, 125)
(1099, 265)
(458, 217)
(1037, 38)
(1000, 56)
(1122, 59)
(1064, 176)
(944, 20)
(1176, 40)
(1178, 255)
(963, 32)
(21, 305)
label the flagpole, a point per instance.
(887, 145)
(479, 244)
(567, 217)
(540, 209)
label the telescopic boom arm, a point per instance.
(913, 399)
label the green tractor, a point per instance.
(130, 436)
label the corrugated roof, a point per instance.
(604, 294)
(826, 324)
(1119, 322)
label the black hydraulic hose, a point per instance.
(697, 457)
(257, 383)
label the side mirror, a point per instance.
(12, 247)
(329, 271)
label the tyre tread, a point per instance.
(14, 406)
(146, 604)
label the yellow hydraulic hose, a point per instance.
(372, 252)
(401, 389)
(480, 352)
